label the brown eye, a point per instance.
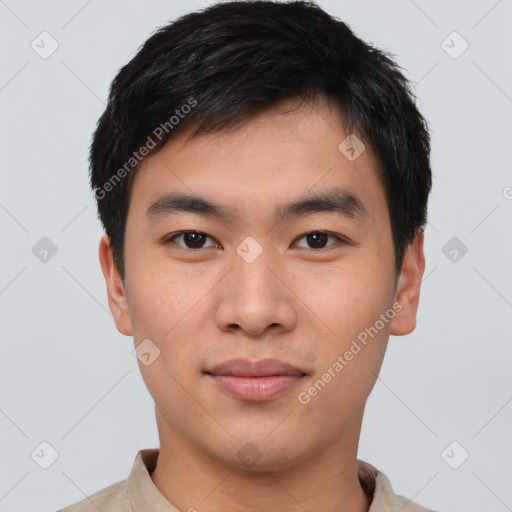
(318, 239)
(191, 239)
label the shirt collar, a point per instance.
(142, 492)
(145, 496)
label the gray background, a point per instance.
(67, 377)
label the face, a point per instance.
(313, 287)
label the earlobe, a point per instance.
(117, 300)
(408, 287)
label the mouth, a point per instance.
(255, 381)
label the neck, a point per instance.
(326, 480)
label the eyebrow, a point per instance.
(340, 201)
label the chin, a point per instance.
(260, 454)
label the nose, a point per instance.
(256, 297)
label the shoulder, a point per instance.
(113, 498)
(395, 502)
(376, 484)
(406, 505)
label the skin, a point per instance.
(296, 302)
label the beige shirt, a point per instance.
(138, 493)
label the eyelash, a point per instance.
(170, 239)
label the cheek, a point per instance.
(165, 314)
(159, 300)
(348, 303)
(349, 363)
(351, 307)
(169, 308)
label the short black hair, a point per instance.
(214, 68)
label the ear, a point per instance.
(408, 287)
(115, 288)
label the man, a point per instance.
(262, 176)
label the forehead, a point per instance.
(281, 154)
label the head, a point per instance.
(305, 163)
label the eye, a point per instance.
(192, 239)
(318, 239)
(196, 239)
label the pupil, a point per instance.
(193, 239)
(313, 239)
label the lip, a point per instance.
(248, 368)
(255, 381)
